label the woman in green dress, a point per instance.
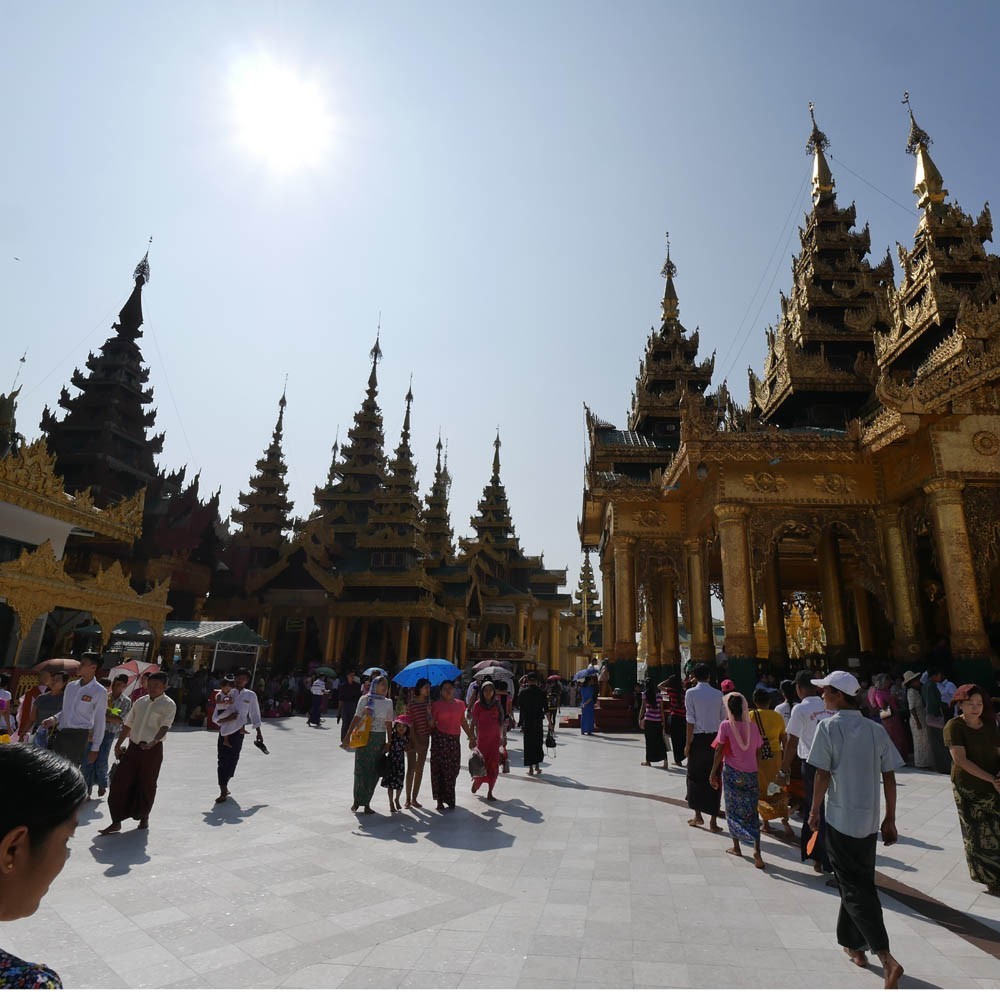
(368, 757)
(974, 742)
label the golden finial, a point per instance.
(669, 267)
(917, 137)
(817, 138)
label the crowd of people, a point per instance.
(830, 745)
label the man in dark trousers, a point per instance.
(350, 694)
(231, 733)
(704, 710)
(849, 753)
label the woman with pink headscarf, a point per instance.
(736, 745)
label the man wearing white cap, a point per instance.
(849, 752)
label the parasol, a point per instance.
(493, 670)
(58, 664)
(326, 671)
(582, 675)
(435, 671)
(133, 669)
(374, 670)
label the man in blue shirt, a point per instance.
(849, 754)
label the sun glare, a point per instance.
(281, 117)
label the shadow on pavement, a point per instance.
(229, 813)
(121, 851)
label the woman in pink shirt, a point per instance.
(447, 721)
(488, 723)
(736, 746)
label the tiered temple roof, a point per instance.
(264, 511)
(820, 361)
(436, 517)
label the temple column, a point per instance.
(449, 643)
(670, 645)
(404, 641)
(522, 626)
(330, 646)
(463, 637)
(608, 606)
(341, 639)
(906, 643)
(383, 652)
(699, 604)
(363, 643)
(833, 601)
(863, 608)
(968, 636)
(425, 638)
(554, 642)
(625, 647)
(300, 648)
(774, 614)
(737, 605)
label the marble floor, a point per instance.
(586, 877)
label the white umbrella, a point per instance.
(495, 673)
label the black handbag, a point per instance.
(766, 753)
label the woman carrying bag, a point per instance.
(366, 736)
(489, 736)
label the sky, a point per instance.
(496, 181)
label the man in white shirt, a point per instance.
(248, 711)
(81, 721)
(705, 710)
(317, 690)
(133, 787)
(802, 723)
(849, 753)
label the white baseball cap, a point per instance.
(841, 680)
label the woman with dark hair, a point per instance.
(447, 721)
(974, 742)
(675, 716)
(532, 700)
(651, 723)
(789, 699)
(418, 710)
(736, 746)
(368, 758)
(42, 793)
(488, 735)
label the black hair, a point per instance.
(788, 692)
(651, 691)
(41, 790)
(804, 680)
(418, 687)
(761, 698)
(242, 672)
(673, 682)
(702, 672)
(735, 705)
(59, 673)
(94, 658)
(158, 676)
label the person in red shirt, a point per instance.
(447, 721)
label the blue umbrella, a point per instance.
(581, 675)
(435, 671)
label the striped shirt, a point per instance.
(653, 712)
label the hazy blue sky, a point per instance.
(499, 183)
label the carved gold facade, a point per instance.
(852, 509)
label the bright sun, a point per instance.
(281, 117)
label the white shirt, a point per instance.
(383, 712)
(225, 705)
(248, 705)
(805, 717)
(85, 707)
(856, 752)
(318, 686)
(148, 716)
(704, 708)
(784, 710)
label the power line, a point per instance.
(888, 197)
(166, 378)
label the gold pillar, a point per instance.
(737, 585)
(774, 615)
(521, 638)
(425, 638)
(463, 637)
(608, 605)
(449, 643)
(330, 646)
(968, 637)
(906, 628)
(625, 617)
(699, 603)
(670, 646)
(363, 643)
(340, 642)
(404, 641)
(863, 609)
(833, 600)
(554, 642)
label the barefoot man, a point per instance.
(133, 788)
(231, 733)
(703, 704)
(849, 752)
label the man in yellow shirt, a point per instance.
(133, 788)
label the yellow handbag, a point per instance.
(359, 738)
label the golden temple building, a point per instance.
(856, 498)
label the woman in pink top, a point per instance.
(447, 721)
(736, 746)
(488, 723)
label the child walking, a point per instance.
(395, 750)
(225, 708)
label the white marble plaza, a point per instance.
(585, 877)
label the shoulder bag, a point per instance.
(766, 751)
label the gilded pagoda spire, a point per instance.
(928, 183)
(437, 520)
(822, 178)
(670, 302)
(494, 524)
(264, 514)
